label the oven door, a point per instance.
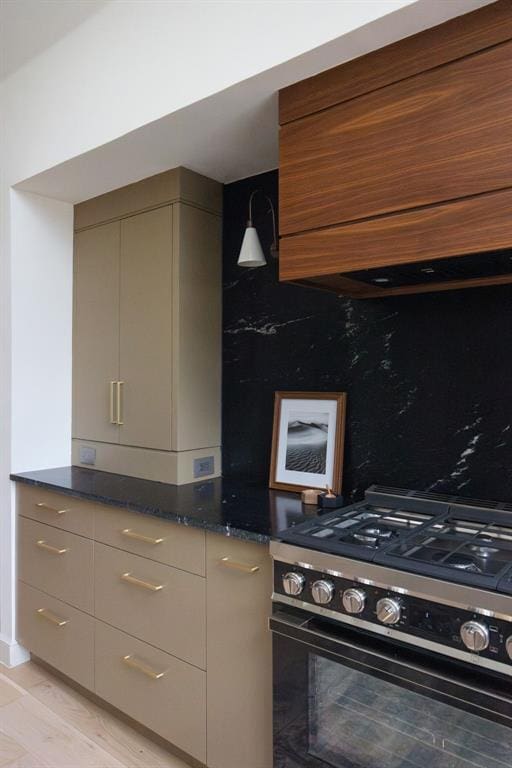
(344, 699)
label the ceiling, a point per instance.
(28, 27)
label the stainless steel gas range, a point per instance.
(392, 632)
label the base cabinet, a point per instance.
(239, 701)
(155, 688)
(57, 633)
(167, 623)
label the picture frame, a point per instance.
(308, 440)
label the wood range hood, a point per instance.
(395, 171)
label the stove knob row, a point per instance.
(354, 600)
(508, 646)
(293, 583)
(475, 636)
(322, 591)
(389, 610)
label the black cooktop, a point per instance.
(463, 540)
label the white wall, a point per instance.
(133, 62)
(41, 276)
(129, 64)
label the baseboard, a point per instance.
(11, 653)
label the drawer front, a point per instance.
(160, 540)
(155, 689)
(58, 562)
(57, 634)
(156, 603)
(56, 509)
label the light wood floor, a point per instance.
(46, 724)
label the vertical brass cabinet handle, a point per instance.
(120, 402)
(42, 505)
(130, 534)
(51, 617)
(140, 666)
(112, 406)
(140, 583)
(227, 562)
(48, 548)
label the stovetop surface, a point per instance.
(468, 541)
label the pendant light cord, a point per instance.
(273, 247)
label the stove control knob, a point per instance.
(475, 636)
(354, 600)
(508, 646)
(293, 583)
(389, 610)
(322, 591)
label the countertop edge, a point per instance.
(172, 517)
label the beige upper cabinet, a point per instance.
(147, 330)
(96, 332)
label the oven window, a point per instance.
(360, 721)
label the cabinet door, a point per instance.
(95, 331)
(145, 329)
(239, 653)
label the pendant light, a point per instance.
(251, 252)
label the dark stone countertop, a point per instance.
(229, 507)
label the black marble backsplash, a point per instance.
(428, 377)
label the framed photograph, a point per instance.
(307, 442)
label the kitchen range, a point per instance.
(392, 633)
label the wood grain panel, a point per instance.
(481, 223)
(442, 135)
(427, 49)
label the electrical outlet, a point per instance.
(87, 455)
(204, 466)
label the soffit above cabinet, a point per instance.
(403, 157)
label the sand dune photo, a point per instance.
(306, 447)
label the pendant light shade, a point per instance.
(251, 253)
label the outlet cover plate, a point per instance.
(87, 455)
(204, 466)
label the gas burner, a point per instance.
(458, 560)
(482, 549)
(366, 539)
(377, 530)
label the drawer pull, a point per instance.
(134, 663)
(51, 617)
(48, 548)
(42, 505)
(139, 583)
(130, 534)
(227, 562)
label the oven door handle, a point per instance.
(304, 631)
